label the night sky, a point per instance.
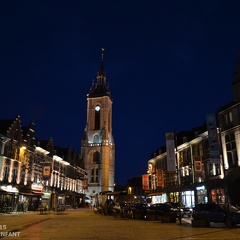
(168, 63)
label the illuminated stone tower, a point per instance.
(97, 146)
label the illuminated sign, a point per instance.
(37, 187)
(170, 145)
(46, 171)
(9, 188)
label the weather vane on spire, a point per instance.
(103, 49)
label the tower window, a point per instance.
(97, 118)
(96, 157)
(94, 175)
(96, 138)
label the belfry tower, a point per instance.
(97, 146)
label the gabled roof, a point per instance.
(47, 145)
(189, 135)
(4, 125)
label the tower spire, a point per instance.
(103, 49)
(97, 145)
(101, 77)
(100, 88)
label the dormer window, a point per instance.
(96, 138)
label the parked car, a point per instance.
(107, 208)
(218, 213)
(158, 210)
(122, 209)
(138, 210)
(185, 211)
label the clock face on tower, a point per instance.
(97, 108)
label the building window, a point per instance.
(96, 138)
(184, 171)
(96, 157)
(200, 149)
(35, 178)
(5, 173)
(14, 175)
(189, 156)
(195, 150)
(94, 175)
(214, 169)
(231, 150)
(180, 158)
(228, 119)
(97, 118)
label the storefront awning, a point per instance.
(37, 193)
(116, 193)
(81, 195)
(104, 192)
(26, 194)
(32, 193)
(9, 189)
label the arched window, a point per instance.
(96, 157)
(97, 118)
(96, 138)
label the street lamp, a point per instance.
(129, 193)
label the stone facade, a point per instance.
(98, 147)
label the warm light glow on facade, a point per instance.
(41, 150)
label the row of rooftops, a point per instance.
(25, 136)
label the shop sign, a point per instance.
(46, 172)
(37, 187)
(85, 183)
(160, 178)
(145, 182)
(9, 188)
(214, 147)
(170, 145)
(201, 188)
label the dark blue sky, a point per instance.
(168, 63)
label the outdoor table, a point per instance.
(7, 209)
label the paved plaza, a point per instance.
(83, 224)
